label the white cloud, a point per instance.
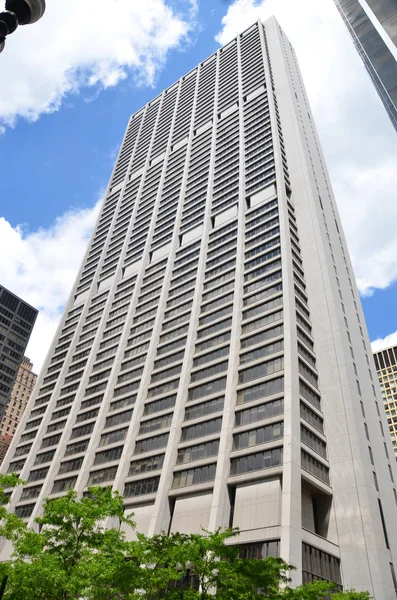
(358, 140)
(41, 267)
(386, 342)
(90, 44)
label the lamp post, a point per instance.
(19, 12)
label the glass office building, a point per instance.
(375, 53)
(213, 363)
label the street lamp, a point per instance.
(19, 12)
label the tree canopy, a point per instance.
(78, 550)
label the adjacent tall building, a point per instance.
(363, 20)
(21, 392)
(17, 319)
(386, 366)
(213, 363)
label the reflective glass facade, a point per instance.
(379, 61)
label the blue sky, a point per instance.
(65, 98)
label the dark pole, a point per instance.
(3, 586)
(19, 12)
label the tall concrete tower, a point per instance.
(213, 363)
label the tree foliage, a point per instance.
(78, 550)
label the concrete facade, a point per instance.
(213, 363)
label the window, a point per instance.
(209, 371)
(118, 419)
(38, 474)
(262, 282)
(142, 487)
(16, 465)
(260, 391)
(56, 426)
(108, 455)
(263, 294)
(122, 403)
(192, 453)
(258, 413)
(44, 457)
(211, 387)
(52, 440)
(159, 405)
(204, 408)
(260, 549)
(258, 323)
(311, 417)
(113, 436)
(102, 476)
(91, 402)
(171, 347)
(261, 352)
(215, 315)
(262, 435)
(152, 443)
(261, 370)
(145, 465)
(166, 373)
(256, 462)
(309, 394)
(62, 485)
(157, 423)
(215, 341)
(317, 564)
(24, 511)
(314, 467)
(393, 575)
(71, 465)
(169, 359)
(262, 336)
(76, 448)
(201, 429)
(214, 328)
(90, 414)
(211, 356)
(261, 308)
(313, 442)
(29, 493)
(194, 476)
(163, 388)
(84, 430)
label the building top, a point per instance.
(203, 62)
(10, 301)
(387, 357)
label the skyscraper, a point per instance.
(17, 319)
(21, 392)
(386, 366)
(373, 50)
(212, 363)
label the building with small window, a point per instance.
(213, 363)
(21, 392)
(386, 366)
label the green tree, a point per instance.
(58, 561)
(73, 554)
